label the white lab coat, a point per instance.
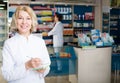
(57, 33)
(15, 52)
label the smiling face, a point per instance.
(24, 23)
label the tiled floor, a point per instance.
(115, 78)
(1, 79)
(58, 79)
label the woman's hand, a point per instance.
(33, 63)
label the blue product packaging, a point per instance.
(95, 36)
(107, 39)
(83, 40)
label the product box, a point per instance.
(95, 36)
(107, 39)
(83, 40)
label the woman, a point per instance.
(24, 52)
(57, 33)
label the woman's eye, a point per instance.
(19, 18)
(24, 18)
(28, 18)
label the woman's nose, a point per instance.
(24, 21)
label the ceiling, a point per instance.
(52, 0)
(4, 2)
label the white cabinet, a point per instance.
(94, 65)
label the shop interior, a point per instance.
(81, 62)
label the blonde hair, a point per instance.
(13, 26)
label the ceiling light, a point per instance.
(2, 4)
(5, 1)
(1, 8)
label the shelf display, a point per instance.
(114, 24)
(12, 8)
(106, 19)
(105, 22)
(96, 38)
(45, 13)
(83, 19)
(3, 26)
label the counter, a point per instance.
(68, 63)
(94, 65)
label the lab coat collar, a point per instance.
(58, 22)
(21, 36)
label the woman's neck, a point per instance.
(25, 35)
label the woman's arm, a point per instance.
(10, 70)
(55, 29)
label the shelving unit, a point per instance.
(114, 24)
(45, 13)
(3, 26)
(83, 19)
(106, 25)
(77, 18)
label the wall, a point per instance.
(98, 15)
